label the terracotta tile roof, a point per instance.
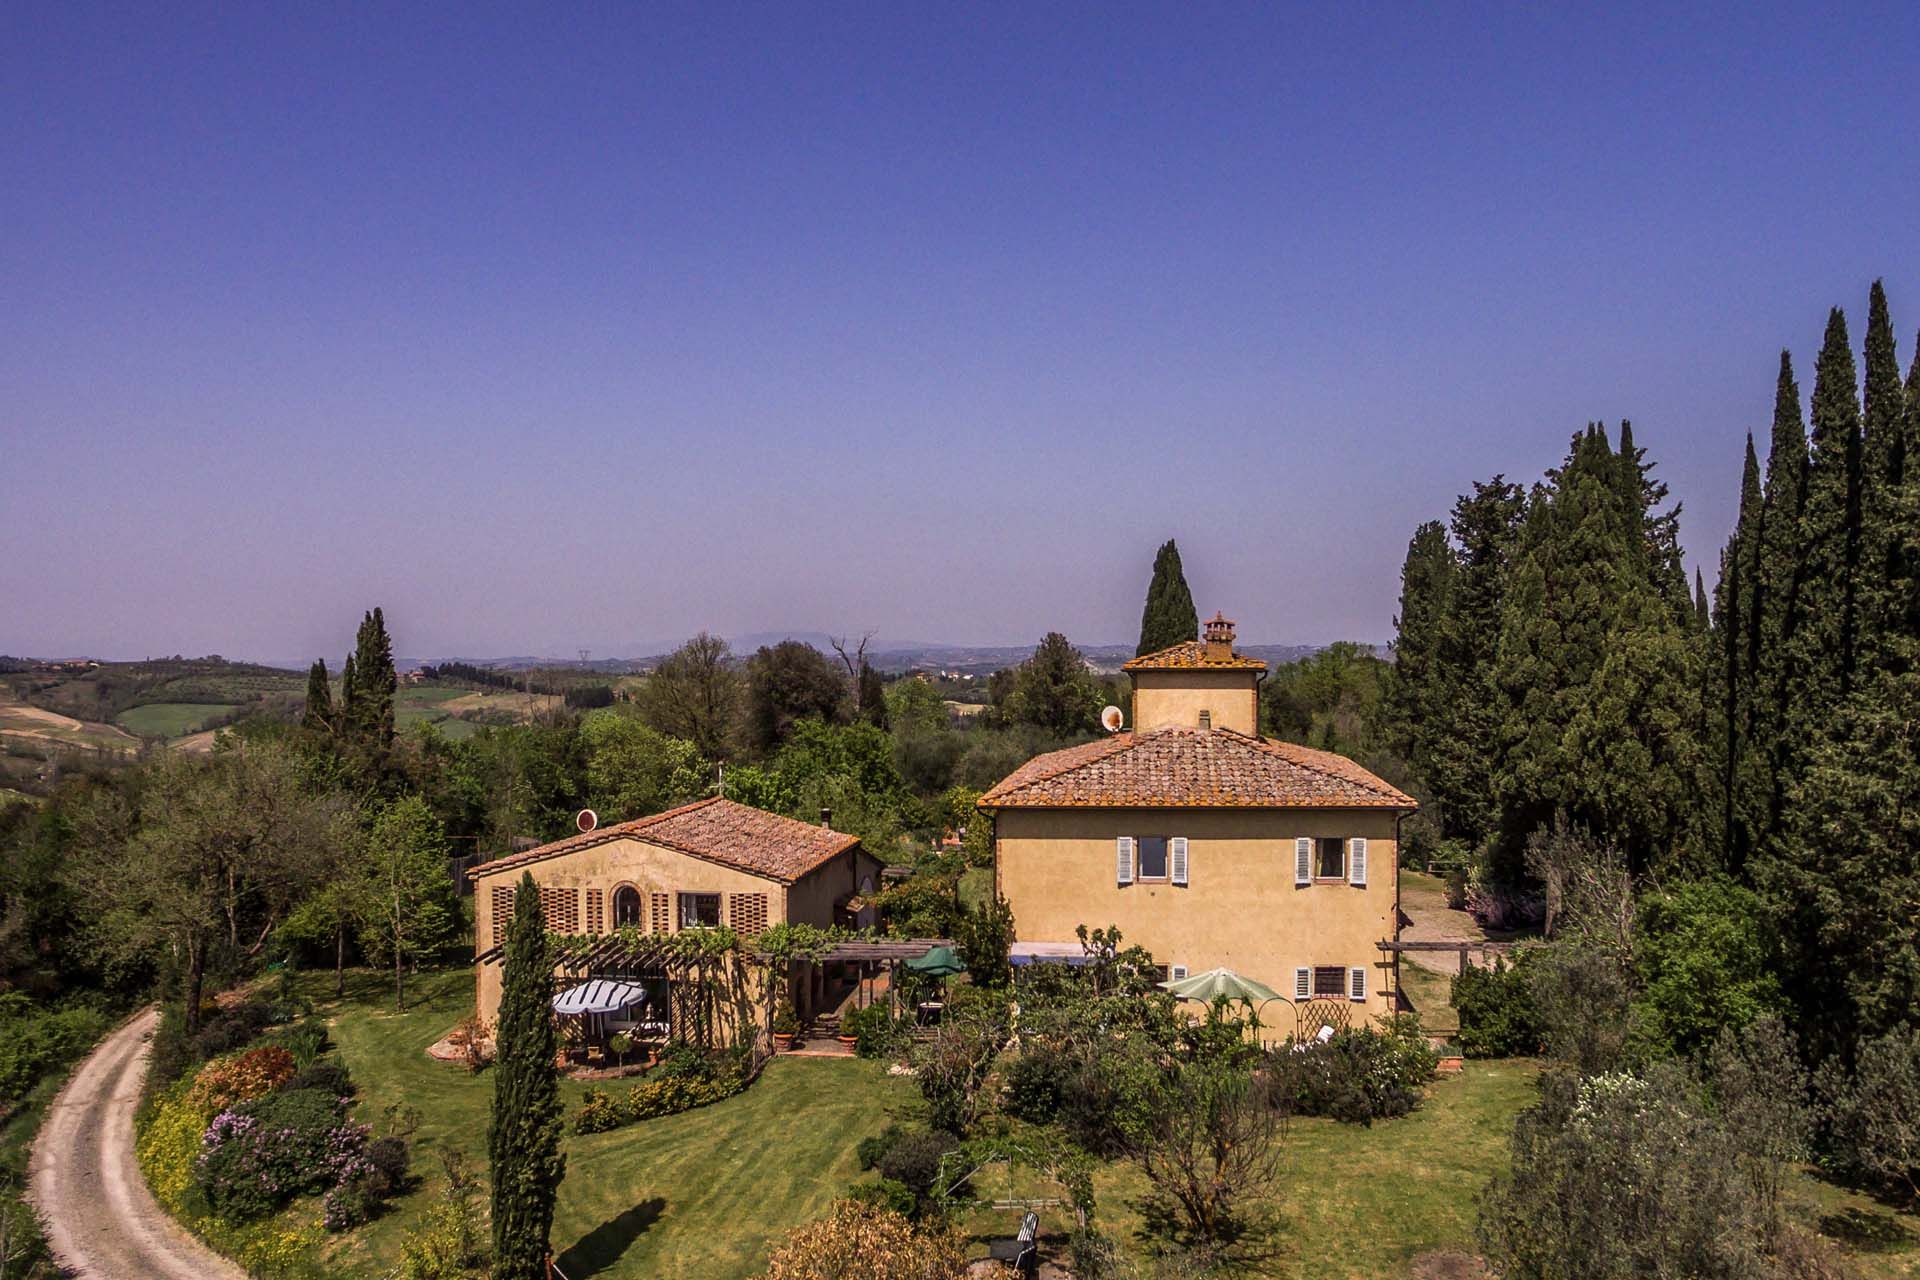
(716, 829)
(1187, 655)
(1212, 768)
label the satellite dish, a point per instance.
(586, 819)
(1111, 719)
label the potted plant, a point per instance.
(785, 1027)
(851, 1024)
(620, 1045)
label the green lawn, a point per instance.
(171, 719)
(700, 1195)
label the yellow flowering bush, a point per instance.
(169, 1145)
(856, 1242)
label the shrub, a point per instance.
(34, 1042)
(240, 1078)
(390, 1160)
(885, 1194)
(1036, 1084)
(349, 1205)
(1876, 1113)
(328, 1077)
(258, 1155)
(663, 1093)
(168, 1147)
(1625, 1175)
(914, 1162)
(1499, 1017)
(857, 1242)
(951, 1069)
(1356, 1077)
(304, 1040)
(871, 1149)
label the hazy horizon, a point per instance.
(552, 331)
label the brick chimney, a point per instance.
(1219, 639)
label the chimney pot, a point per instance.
(1219, 639)
(826, 817)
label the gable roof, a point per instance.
(1187, 655)
(1210, 768)
(716, 829)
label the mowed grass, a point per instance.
(171, 719)
(703, 1195)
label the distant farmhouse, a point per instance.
(1209, 845)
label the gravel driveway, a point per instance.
(100, 1218)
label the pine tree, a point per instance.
(1732, 681)
(318, 715)
(1827, 624)
(1169, 616)
(523, 1142)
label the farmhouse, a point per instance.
(703, 864)
(1207, 844)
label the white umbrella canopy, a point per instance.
(1215, 983)
(602, 995)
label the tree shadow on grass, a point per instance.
(1867, 1232)
(603, 1246)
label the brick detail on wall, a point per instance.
(747, 913)
(562, 909)
(662, 913)
(502, 911)
(596, 911)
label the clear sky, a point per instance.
(592, 326)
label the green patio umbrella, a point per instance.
(939, 962)
(1215, 983)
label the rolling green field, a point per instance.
(171, 719)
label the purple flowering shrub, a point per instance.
(258, 1155)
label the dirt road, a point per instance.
(100, 1218)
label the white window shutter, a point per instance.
(1357, 862)
(1303, 983)
(1357, 983)
(1123, 860)
(1177, 858)
(1303, 861)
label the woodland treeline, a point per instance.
(1554, 669)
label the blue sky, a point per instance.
(553, 329)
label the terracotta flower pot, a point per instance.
(1452, 1066)
(782, 1042)
(849, 1041)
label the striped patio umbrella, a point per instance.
(1215, 983)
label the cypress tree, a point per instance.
(1169, 616)
(1732, 663)
(1827, 623)
(1883, 464)
(371, 713)
(319, 710)
(1417, 699)
(1776, 603)
(349, 698)
(523, 1141)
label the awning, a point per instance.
(940, 962)
(1047, 953)
(599, 996)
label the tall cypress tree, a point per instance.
(319, 710)
(1776, 604)
(1883, 466)
(523, 1141)
(1169, 616)
(370, 710)
(1828, 624)
(1735, 649)
(1417, 697)
(349, 721)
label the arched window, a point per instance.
(626, 907)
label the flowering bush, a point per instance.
(241, 1077)
(1357, 1076)
(859, 1242)
(662, 1094)
(258, 1155)
(168, 1146)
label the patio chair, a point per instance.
(1022, 1252)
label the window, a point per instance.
(1332, 862)
(1206, 719)
(1330, 982)
(626, 907)
(1153, 857)
(699, 910)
